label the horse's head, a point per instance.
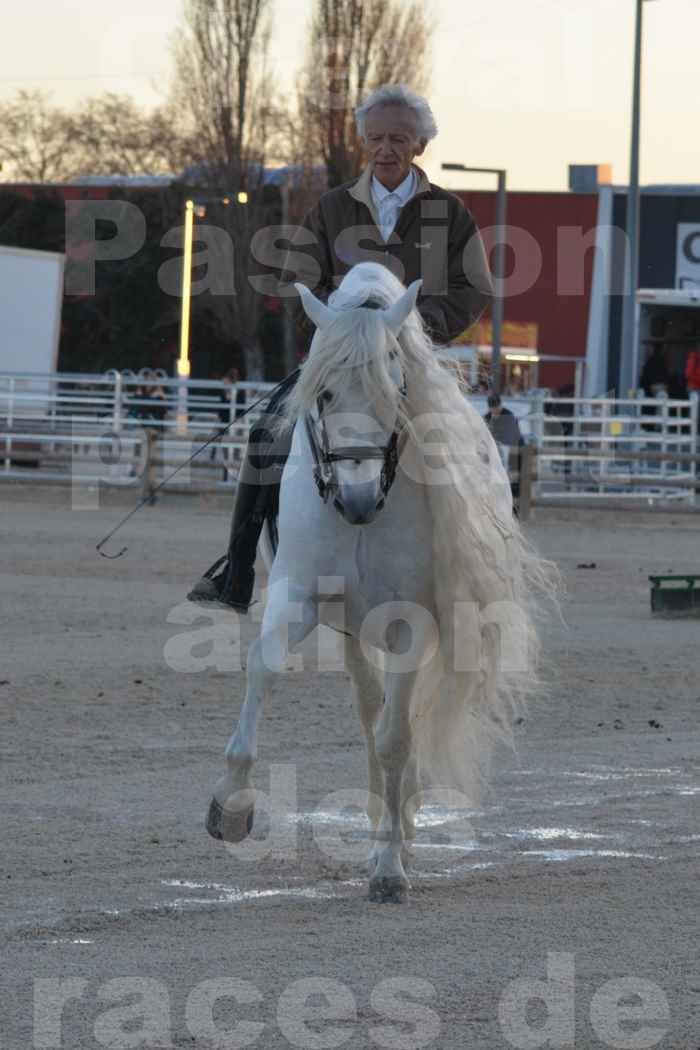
(350, 394)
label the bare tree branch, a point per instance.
(221, 85)
(36, 139)
(354, 47)
(114, 136)
(224, 92)
(106, 135)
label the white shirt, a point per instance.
(390, 202)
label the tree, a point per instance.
(115, 136)
(354, 47)
(106, 135)
(223, 90)
(222, 87)
(36, 139)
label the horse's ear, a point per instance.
(315, 310)
(395, 316)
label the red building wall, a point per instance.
(550, 286)
(31, 190)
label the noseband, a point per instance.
(326, 457)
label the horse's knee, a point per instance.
(392, 747)
(369, 710)
(267, 656)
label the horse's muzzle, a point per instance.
(359, 504)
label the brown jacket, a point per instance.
(435, 239)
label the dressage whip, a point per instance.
(207, 443)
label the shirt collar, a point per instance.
(404, 191)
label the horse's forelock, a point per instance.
(356, 346)
(367, 281)
(354, 351)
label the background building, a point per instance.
(563, 289)
(565, 272)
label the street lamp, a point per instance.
(629, 366)
(183, 363)
(497, 308)
(192, 207)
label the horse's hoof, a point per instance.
(229, 825)
(385, 890)
(214, 820)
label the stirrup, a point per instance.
(211, 590)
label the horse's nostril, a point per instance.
(380, 504)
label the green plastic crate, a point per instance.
(675, 595)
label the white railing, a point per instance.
(84, 427)
(596, 448)
(120, 398)
(89, 428)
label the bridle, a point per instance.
(326, 457)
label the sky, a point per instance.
(527, 85)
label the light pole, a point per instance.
(628, 373)
(497, 308)
(183, 363)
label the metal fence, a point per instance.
(124, 430)
(599, 448)
(88, 428)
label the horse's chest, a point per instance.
(380, 570)
(388, 561)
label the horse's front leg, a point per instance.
(369, 695)
(289, 618)
(393, 745)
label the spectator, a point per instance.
(564, 411)
(150, 390)
(655, 377)
(231, 378)
(692, 374)
(505, 430)
(502, 423)
(692, 369)
(231, 389)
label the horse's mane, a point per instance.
(489, 581)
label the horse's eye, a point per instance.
(326, 396)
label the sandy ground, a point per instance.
(583, 861)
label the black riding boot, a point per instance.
(257, 494)
(233, 586)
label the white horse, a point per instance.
(437, 577)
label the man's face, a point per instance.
(391, 140)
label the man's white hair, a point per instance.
(399, 95)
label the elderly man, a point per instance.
(391, 214)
